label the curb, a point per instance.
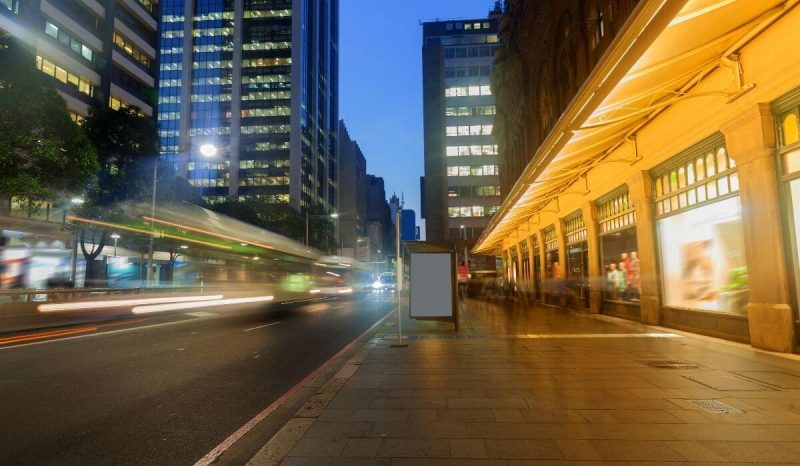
(279, 446)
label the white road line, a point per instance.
(88, 335)
(337, 307)
(262, 326)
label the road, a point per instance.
(164, 389)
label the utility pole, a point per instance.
(399, 278)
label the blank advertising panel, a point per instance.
(431, 285)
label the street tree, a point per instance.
(44, 155)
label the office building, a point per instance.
(352, 207)
(461, 184)
(253, 83)
(379, 224)
(408, 225)
(93, 51)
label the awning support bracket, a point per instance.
(733, 64)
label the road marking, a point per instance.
(214, 454)
(110, 332)
(40, 336)
(201, 314)
(262, 326)
(337, 307)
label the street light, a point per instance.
(77, 200)
(207, 150)
(115, 237)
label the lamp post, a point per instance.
(115, 237)
(208, 151)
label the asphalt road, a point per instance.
(164, 389)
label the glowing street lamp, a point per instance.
(115, 237)
(208, 150)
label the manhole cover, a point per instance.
(673, 364)
(715, 407)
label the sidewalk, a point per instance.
(538, 385)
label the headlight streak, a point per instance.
(219, 302)
(86, 305)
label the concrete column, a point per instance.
(640, 190)
(750, 141)
(561, 276)
(593, 267)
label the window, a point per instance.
(619, 255)
(700, 230)
(551, 262)
(135, 52)
(47, 67)
(68, 40)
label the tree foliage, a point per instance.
(43, 153)
(282, 219)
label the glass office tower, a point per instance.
(257, 79)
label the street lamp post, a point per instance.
(115, 237)
(208, 151)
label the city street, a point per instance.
(165, 389)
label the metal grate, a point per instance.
(673, 365)
(715, 407)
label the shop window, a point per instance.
(551, 259)
(577, 257)
(701, 244)
(537, 267)
(616, 221)
(526, 260)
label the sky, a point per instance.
(380, 83)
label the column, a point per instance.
(750, 141)
(561, 277)
(542, 270)
(593, 267)
(640, 190)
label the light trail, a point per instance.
(86, 305)
(146, 232)
(206, 232)
(195, 305)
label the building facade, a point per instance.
(659, 181)
(94, 51)
(352, 207)
(408, 225)
(379, 224)
(460, 189)
(258, 81)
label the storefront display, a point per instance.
(618, 247)
(787, 121)
(700, 232)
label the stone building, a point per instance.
(649, 162)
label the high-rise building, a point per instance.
(408, 225)
(93, 50)
(461, 184)
(254, 82)
(352, 207)
(379, 225)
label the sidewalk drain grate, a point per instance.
(715, 407)
(673, 365)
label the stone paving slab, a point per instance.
(571, 397)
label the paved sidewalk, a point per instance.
(537, 385)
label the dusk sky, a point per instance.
(381, 83)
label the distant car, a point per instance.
(387, 281)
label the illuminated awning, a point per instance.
(659, 58)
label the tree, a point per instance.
(44, 155)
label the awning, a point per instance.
(660, 57)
